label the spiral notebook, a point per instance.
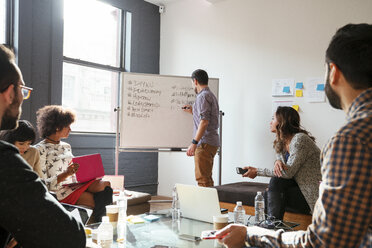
(91, 167)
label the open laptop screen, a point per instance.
(198, 203)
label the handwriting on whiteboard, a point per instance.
(143, 99)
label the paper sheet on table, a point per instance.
(282, 87)
(76, 214)
(312, 93)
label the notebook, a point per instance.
(90, 168)
(198, 203)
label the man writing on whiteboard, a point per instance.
(206, 140)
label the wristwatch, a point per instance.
(194, 142)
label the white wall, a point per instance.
(247, 43)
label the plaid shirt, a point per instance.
(343, 212)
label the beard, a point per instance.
(333, 98)
(9, 119)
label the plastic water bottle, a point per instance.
(259, 207)
(239, 213)
(122, 202)
(176, 214)
(105, 233)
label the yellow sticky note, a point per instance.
(299, 93)
(296, 107)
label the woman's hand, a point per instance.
(279, 168)
(251, 173)
(72, 169)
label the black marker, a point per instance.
(185, 107)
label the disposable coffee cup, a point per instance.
(220, 221)
(112, 211)
(95, 236)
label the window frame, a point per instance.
(120, 69)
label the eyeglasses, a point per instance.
(26, 91)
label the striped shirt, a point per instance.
(343, 212)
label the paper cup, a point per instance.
(112, 211)
(220, 221)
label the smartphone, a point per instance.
(189, 237)
(240, 170)
(208, 234)
(224, 210)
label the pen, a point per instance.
(185, 107)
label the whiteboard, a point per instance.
(151, 114)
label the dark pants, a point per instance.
(284, 193)
(101, 199)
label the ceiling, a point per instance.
(161, 2)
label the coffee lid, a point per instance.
(221, 218)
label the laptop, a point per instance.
(198, 203)
(91, 167)
(81, 214)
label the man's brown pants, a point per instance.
(204, 155)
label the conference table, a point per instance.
(166, 233)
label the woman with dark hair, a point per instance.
(297, 168)
(53, 123)
(23, 137)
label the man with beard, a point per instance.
(343, 213)
(28, 212)
(206, 139)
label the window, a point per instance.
(93, 62)
(3, 21)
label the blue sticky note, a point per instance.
(320, 87)
(286, 89)
(151, 218)
(299, 85)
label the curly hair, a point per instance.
(24, 132)
(53, 118)
(288, 125)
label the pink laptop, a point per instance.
(90, 168)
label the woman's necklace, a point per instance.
(52, 141)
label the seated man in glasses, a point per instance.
(28, 212)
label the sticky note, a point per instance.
(286, 89)
(296, 107)
(299, 93)
(299, 85)
(135, 219)
(320, 87)
(151, 218)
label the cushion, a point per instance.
(135, 197)
(242, 191)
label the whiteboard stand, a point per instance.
(117, 110)
(220, 151)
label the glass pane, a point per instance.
(128, 38)
(2, 21)
(92, 93)
(92, 31)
